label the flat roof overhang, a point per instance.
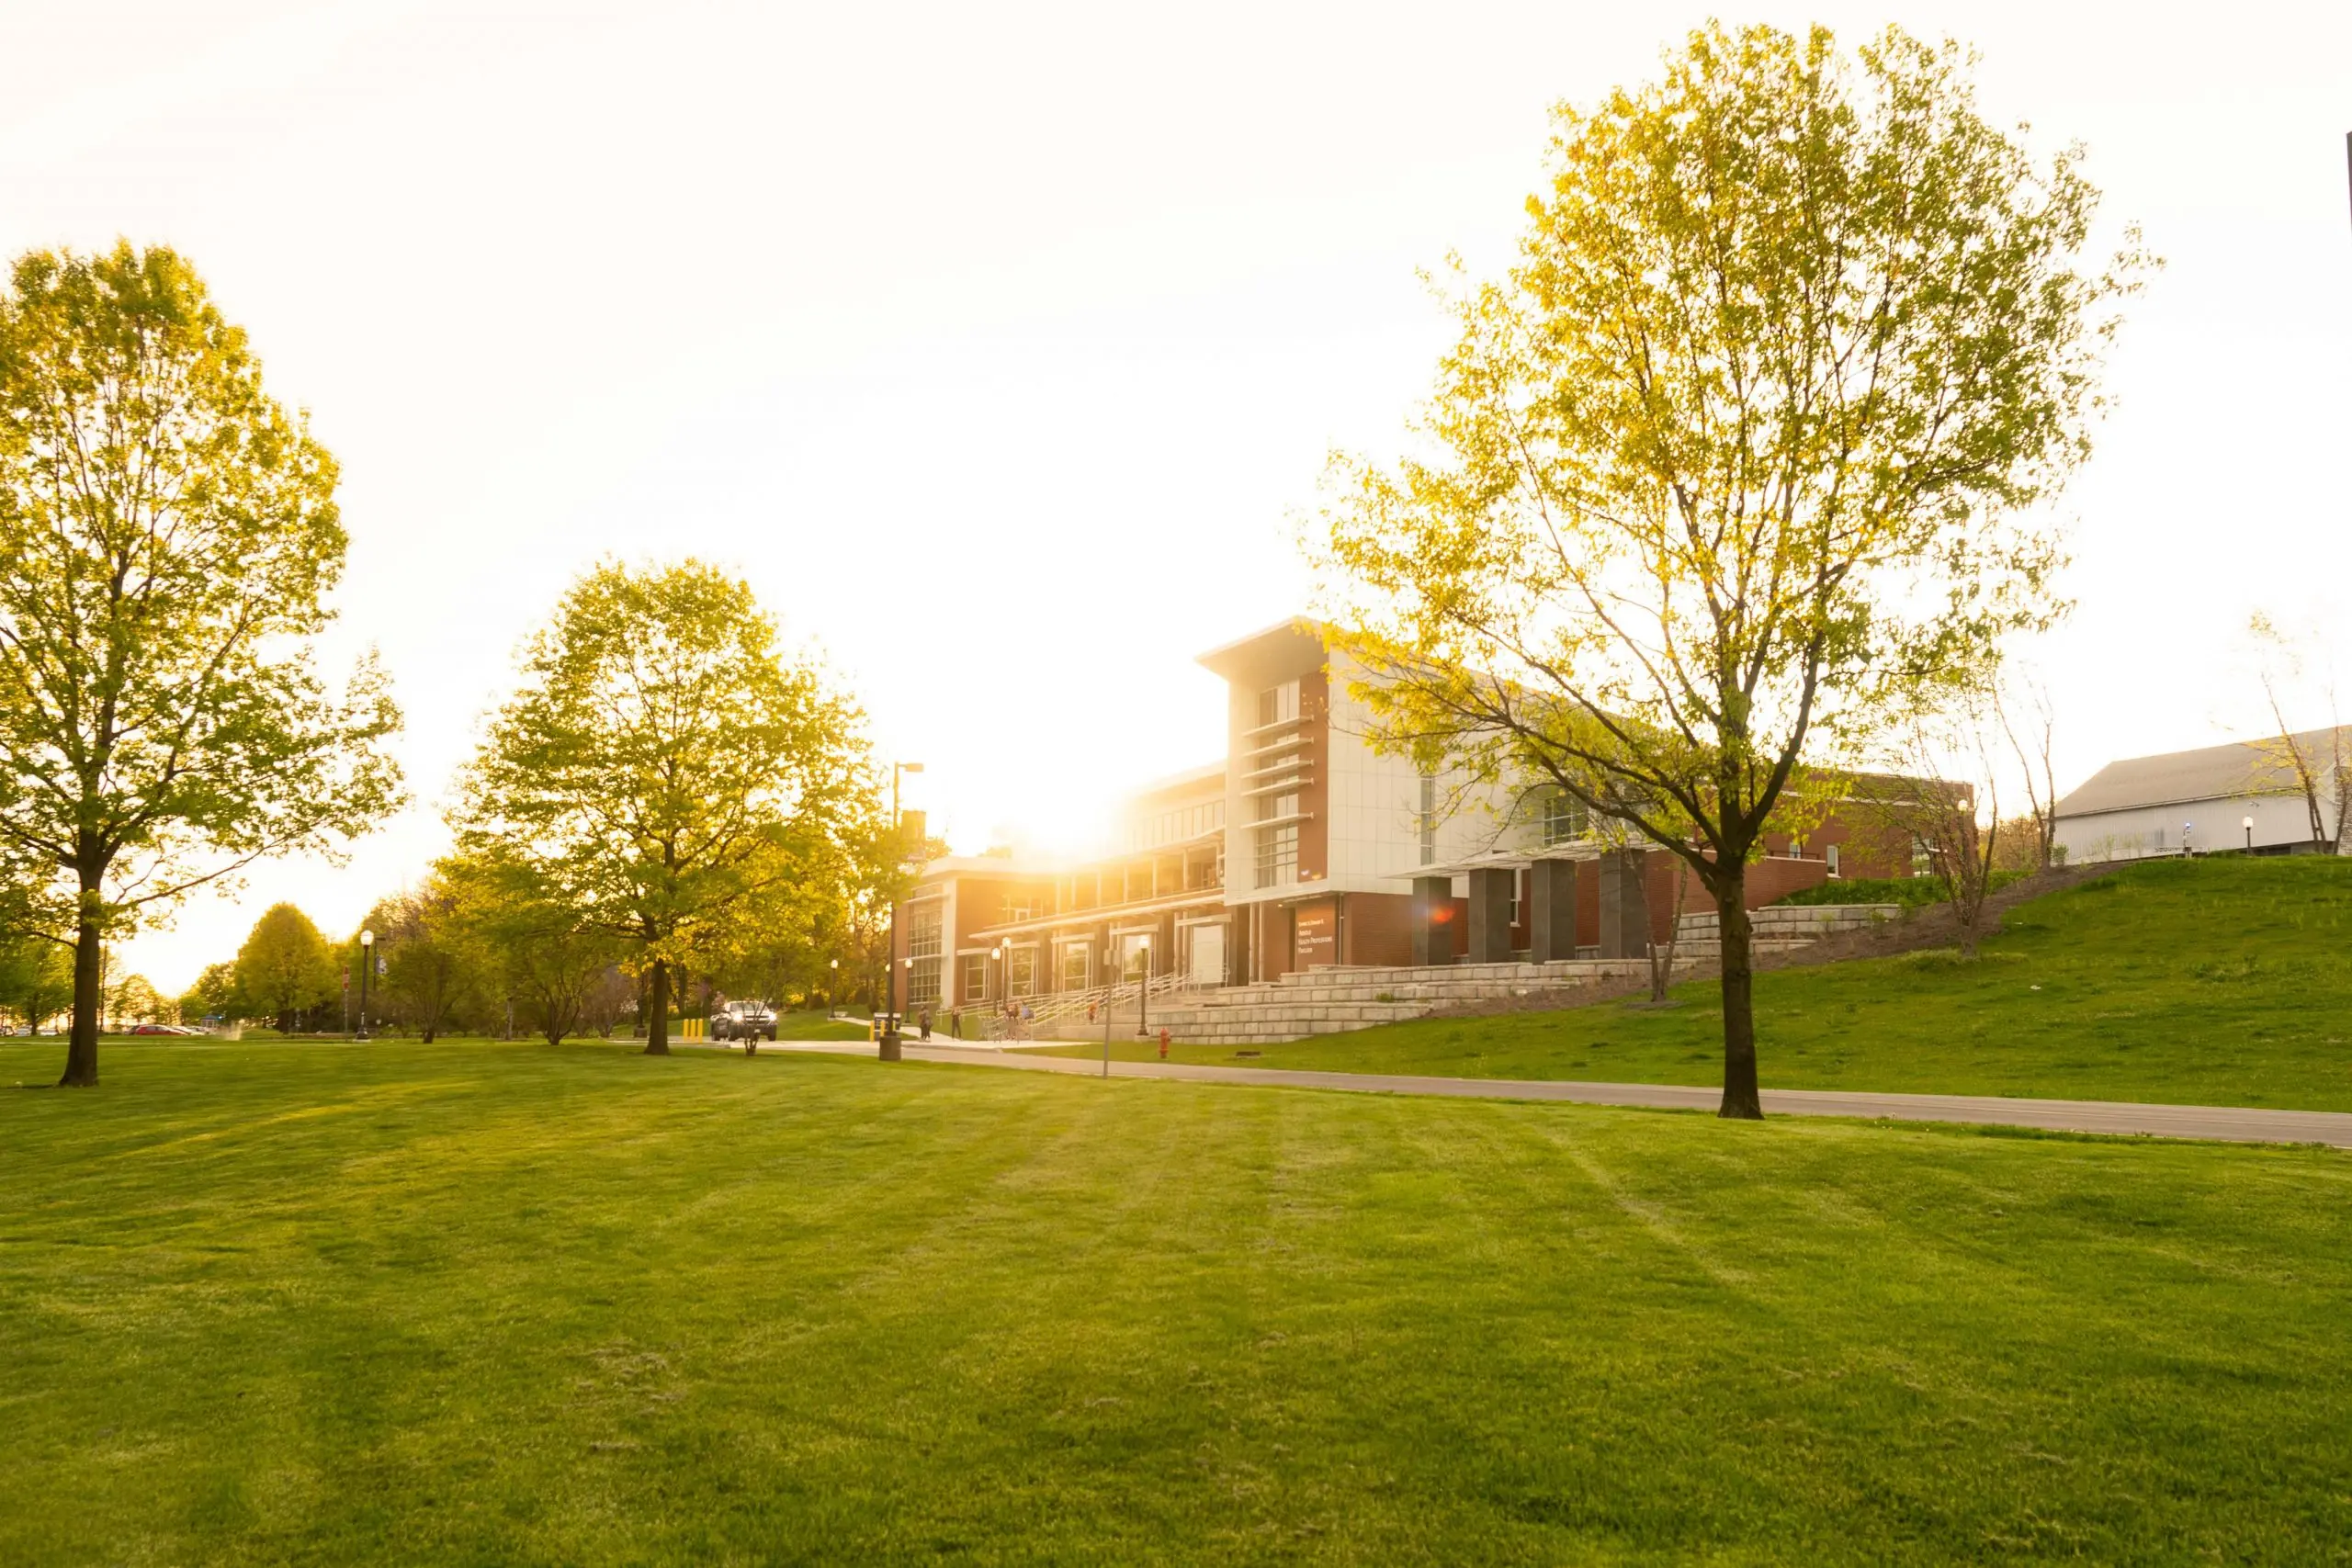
(1278, 652)
(1506, 860)
(1105, 914)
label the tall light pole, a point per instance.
(366, 965)
(890, 1051)
(2249, 833)
(1143, 988)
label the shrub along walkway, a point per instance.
(2227, 1123)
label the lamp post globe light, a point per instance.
(367, 967)
(889, 1049)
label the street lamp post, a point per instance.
(1143, 988)
(367, 966)
(890, 968)
(2249, 833)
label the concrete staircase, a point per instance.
(1332, 1000)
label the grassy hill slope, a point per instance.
(2219, 982)
(305, 1304)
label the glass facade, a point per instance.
(1277, 855)
(1277, 704)
(1176, 825)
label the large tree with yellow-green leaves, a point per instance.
(1740, 464)
(168, 538)
(666, 777)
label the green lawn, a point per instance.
(2212, 982)
(514, 1304)
(820, 1025)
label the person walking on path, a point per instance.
(922, 1022)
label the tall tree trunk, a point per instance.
(657, 1019)
(1741, 1100)
(89, 980)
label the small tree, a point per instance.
(36, 979)
(214, 995)
(664, 775)
(558, 972)
(2313, 764)
(425, 970)
(167, 537)
(136, 1001)
(2030, 721)
(1944, 797)
(1736, 466)
(285, 967)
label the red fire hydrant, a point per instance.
(1163, 1044)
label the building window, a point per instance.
(975, 967)
(922, 983)
(1829, 854)
(923, 931)
(1566, 818)
(1074, 966)
(1025, 971)
(1270, 807)
(1278, 855)
(1428, 821)
(1276, 703)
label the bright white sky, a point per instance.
(999, 344)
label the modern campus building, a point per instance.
(2244, 795)
(1304, 847)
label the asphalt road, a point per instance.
(2228, 1124)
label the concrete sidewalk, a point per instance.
(2228, 1124)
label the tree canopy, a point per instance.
(285, 969)
(666, 777)
(170, 534)
(1739, 465)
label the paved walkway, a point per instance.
(2225, 1122)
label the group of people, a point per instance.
(1017, 1017)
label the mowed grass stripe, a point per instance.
(575, 1305)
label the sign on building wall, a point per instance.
(1318, 934)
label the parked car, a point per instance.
(743, 1020)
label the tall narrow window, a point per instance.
(1429, 819)
(1276, 703)
(1277, 855)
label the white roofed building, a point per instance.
(2244, 795)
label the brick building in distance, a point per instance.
(1303, 847)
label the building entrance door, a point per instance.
(1207, 967)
